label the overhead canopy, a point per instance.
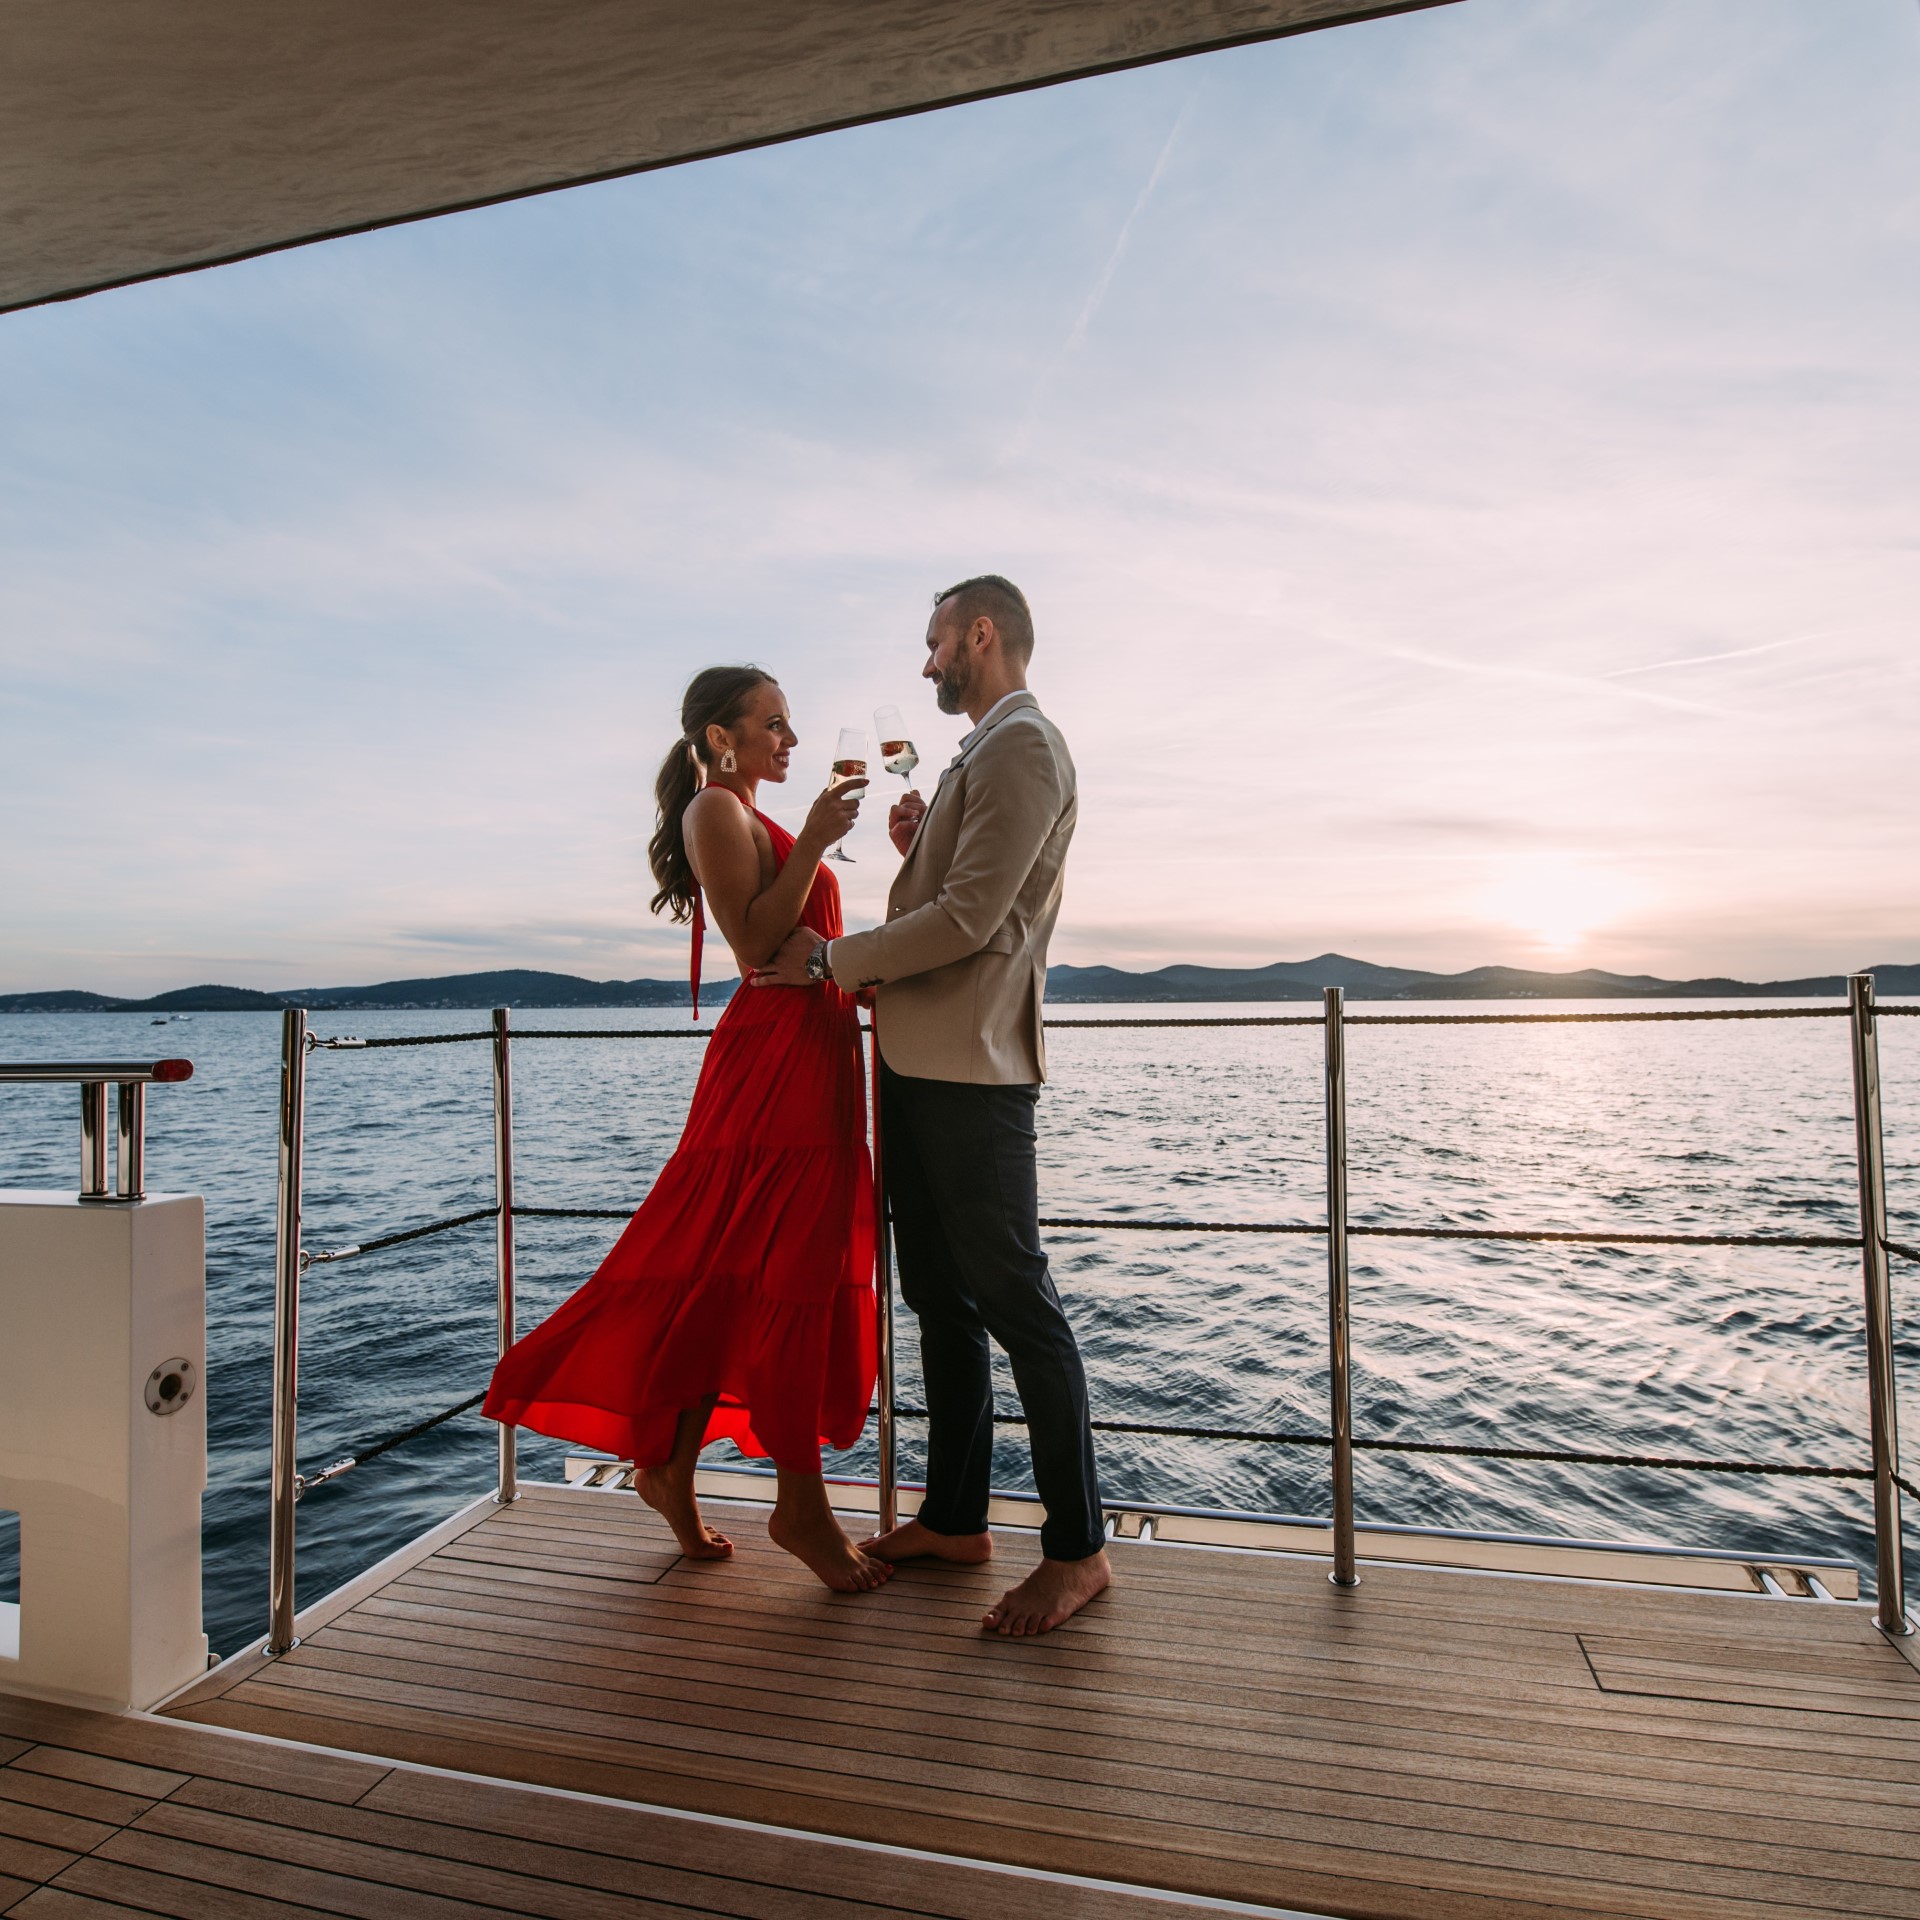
(140, 138)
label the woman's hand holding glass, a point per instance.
(831, 817)
(849, 769)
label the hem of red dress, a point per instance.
(609, 1432)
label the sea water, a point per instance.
(1714, 1127)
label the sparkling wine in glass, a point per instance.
(849, 763)
(896, 750)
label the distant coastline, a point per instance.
(1284, 980)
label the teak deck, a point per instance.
(1432, 1745)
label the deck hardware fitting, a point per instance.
(170, 1385)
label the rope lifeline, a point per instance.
(1228, 1020)
(1666, 1463)
(1550, 1235)
(612, 1033)
(348, 1043)
(397, 1239)
(305, 1483)
(1592, 1019)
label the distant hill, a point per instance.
(1304, 980)
(1284, 980)
(180, 1000)
(511, 987)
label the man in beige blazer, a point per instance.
(959, 968)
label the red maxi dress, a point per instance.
(748, 1270)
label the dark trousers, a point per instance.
(958, 1161)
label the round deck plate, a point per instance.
(170, 1385)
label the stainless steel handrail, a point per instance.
(1883, 1405)
(116, 1129)
(507, 1491)
(112, 1072)
(1339, 1341)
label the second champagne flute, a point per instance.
(896, 750)
(849, 763)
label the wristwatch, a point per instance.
(817, 963)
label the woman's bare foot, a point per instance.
(803, 1522)
(824, 1547)
(911, 1541)
(1054, 1591)
(669, 1492)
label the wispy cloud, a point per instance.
(1522, 675)
(1713, 659)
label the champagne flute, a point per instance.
(896, 750)
(849, 763)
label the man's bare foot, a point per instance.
(818, 1539)
(670, 1495)
(1054, 1591)
(911, 1541)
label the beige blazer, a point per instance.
(961, 962)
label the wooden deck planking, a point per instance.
(1229, 1767)
(1240, 1757)
(1434, 1745)
(1208, 1698)
(165, 1817)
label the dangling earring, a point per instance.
(728, 763)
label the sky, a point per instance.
(1465, 468)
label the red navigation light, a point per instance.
(173, 1069)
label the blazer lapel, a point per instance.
(1014, 705)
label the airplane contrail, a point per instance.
(1078, 336)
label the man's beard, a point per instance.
(951, 689)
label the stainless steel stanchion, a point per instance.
(96, 1132)
(508, 1490)
(884, 1428)
(131, 1170)
(286, 1333)
(1339, 1347)
(1882, 1404)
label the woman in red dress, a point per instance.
(739, 1302)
